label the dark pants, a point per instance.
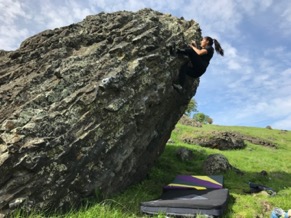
(193, 68)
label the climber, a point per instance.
(198, 58)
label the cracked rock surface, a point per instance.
(89, 107)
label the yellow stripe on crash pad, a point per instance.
(187, 186)
(207, 178)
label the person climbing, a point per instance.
(198, 58)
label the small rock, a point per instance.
(264, 173)
(217, 163)
(184, 154)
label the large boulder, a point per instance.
(89, 107)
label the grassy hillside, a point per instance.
(251, 160)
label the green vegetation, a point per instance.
(197, 116)
(202, 118)
(252, 160)
(192, 107)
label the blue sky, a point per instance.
(250, 86)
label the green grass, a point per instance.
(251, 160)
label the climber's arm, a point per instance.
(202, 51)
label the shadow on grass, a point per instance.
(238, 184)
(127, 202)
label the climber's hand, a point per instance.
(193, 43)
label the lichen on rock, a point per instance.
(88, 107)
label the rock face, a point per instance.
(89, 107)
(185, 120)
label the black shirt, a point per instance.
(207, 57)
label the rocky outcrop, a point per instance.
(218, 163)
(185, 120)
(259, 141)
(218, 140)
(227, 141)
(89, 107)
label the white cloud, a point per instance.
(10, 33)
(166, 6)
(287, 73)
(130, 5)
(233, 65)
(11, 36)
(253, 6)
(283, 11)
(234, 60)
(213, 17)
(284, 123)
(10, 10)
(262, 113)
(21, 20)
(51, 16)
